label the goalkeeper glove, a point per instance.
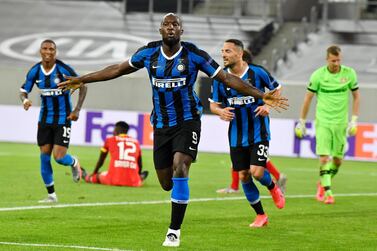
(352, 126)
(300, 129)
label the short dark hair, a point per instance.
(333, 50)
(122, 126)
(247, 57)
(48, 41)
(172, 14)
(236, 42)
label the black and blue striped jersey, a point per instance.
(246, 129)
(55, 104)
(173, 80)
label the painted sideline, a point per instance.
(153, 202)
(58, 246)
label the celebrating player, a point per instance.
(281, 178)
(54, 124)
(331, 84)
(248, 132)
(173, 66)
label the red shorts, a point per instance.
(105, 179)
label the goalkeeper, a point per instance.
(331, 84)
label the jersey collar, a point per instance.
(170, 58)
(49, 72)
(242, 75)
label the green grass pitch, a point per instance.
(212, 222)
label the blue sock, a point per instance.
(266, 179)
(67, 160)
(251, 191)
(46, 169)
(179, 199)
(181, 192)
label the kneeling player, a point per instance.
(125, 160)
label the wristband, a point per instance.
(354, 119)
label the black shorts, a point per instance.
(244, 157)
(182, 138)
(54, 134)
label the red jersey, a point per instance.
(124, 160)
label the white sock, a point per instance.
(176, 232)
(52, 194)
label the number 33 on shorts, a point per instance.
(262, 152)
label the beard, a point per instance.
(229, 64)
(171, 41)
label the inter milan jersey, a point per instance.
(246, 129)
(173, 79)
(56, 104)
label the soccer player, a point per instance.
(173, 66)
(54, 124)
(281, 178)
(125, 160)
(332, 84)
(248, 132)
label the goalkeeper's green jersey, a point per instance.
(332, 91)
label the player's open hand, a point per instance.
(227, 114)
(275, 100)
(262, 110)
(71, 83)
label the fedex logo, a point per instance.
(97, 125)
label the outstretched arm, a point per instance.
(271, 98)
(110, 72)
(238, 84)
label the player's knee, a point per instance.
(180, 169)
(244, 176)
(337, 162)
(323, 160)
(57, 156)
(257, 172)
(166, 185)
(59, 160)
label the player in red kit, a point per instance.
(125, 160)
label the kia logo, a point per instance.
(75, 47)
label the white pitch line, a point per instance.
(59, 246)
(153, 202)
